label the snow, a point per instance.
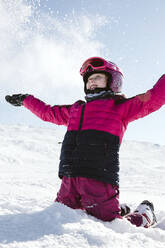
(29, 217)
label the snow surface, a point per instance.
(29, 217)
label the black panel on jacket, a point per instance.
(91, 154)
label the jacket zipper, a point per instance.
(82, 115)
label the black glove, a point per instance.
(17, 99)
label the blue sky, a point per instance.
(43, 44)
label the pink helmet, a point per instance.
(100, 65)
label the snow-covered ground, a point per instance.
(29, 160)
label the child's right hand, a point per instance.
(16, 99)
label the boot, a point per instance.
(146, 209)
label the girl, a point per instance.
(89, 160)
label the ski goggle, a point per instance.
(95, 62)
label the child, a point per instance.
(89, 160)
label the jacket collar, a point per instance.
(101, 95)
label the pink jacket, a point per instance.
(103, 114)
(95, 130)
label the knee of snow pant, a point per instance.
(68, 194)
(103, 211)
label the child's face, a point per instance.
(97, 80)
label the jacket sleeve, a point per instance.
(56, 114)
(144, 104)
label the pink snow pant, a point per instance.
(98, 199)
